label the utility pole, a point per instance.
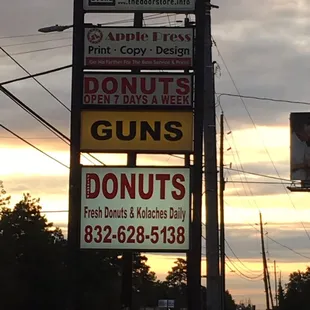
(75, 284)
(269, 286)
(222, 223)
(264, 261)
(275, 283)
(126, 296)
(194, 272)
(210, 163)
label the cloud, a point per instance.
(266, 47)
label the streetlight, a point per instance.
(55, 28)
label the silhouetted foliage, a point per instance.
(34, 273)
(297, 292)
(32, 257)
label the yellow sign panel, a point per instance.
(148, 131)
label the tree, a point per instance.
(31, 252)
(4, 198)
(177, 282)
(178, 275)
(281, 296)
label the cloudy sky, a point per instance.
(265, 47)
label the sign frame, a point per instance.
(105, 8)
(119, 106)
(140, 66)
(150, 167)
(138, 150)
(299, 123)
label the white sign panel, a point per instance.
(146, 6)
(143, 209)
(138, 89)
(143, 48)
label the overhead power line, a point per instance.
(33, 146)
(36, 42)
(34, 78)
(233, 252)
(264, 98)
(255, 127)
(41, 120)
(36, 74)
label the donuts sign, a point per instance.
(119, 89)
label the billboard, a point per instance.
(142, 89)
(144, 208)
(145, 132)
(300, 146)
(145, 6)
(143, 48)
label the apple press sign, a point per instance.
(117, 48)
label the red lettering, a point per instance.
(176, 182)
(96, 189)
(149, 193)
(162, 178)
(109, 177)
(109, 85)
(91, 85)
(152, 87)
(183, 83)
(130, 187)
(126, 85)
(137, 36)
(165, 82)
(133, 185)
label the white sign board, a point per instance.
(146, 6)
(138, 89)
(143, 48)
(166, 303)
(143, 209)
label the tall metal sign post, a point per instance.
(136, 208)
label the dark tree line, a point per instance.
(296, 293)
(33, 268)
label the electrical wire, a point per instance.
(246, 276)
(42, 121)
(36, 74)
(264, 98)
(35, 79)
(36, 42)
(252, 120)
(233, 252)
(33, 146)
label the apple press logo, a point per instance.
(94, 36)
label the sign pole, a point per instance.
(211, 190)
(195, 298)
(75, 169)
(128, 256)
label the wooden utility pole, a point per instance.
(264, 261)
(275, 283)
(214, 295)
(269, 287)
(222, 223)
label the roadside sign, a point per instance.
(143, 48)
(147, 132)
(142, 208)
(142, 89)
(146, 6)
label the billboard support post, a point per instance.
(75, 169)
(194, 267)
(128, 256)
(210, 164)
